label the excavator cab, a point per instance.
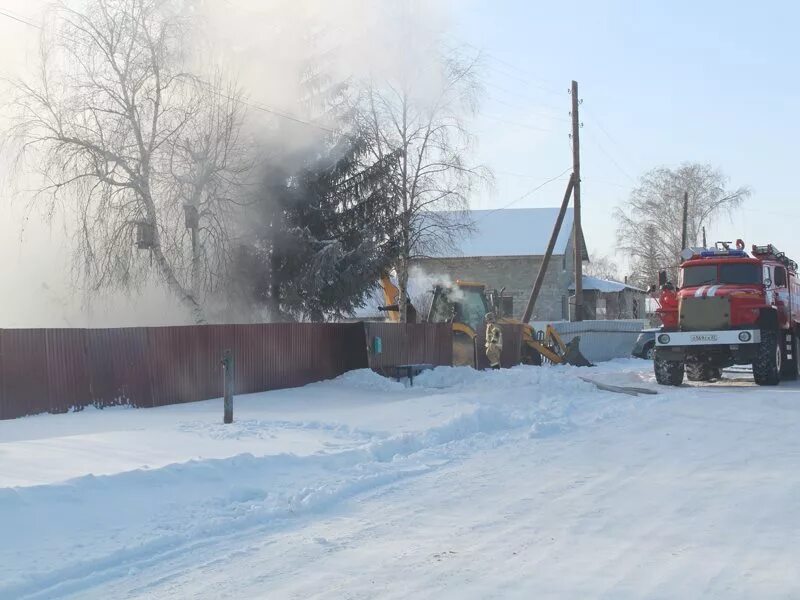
(465, 306)
(463, 303)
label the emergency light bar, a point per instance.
(713, 253)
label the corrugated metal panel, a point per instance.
(603, 340)
(212, 341)
(173, 354)
(154, 366)
(410, 343)
(118, 367)
(67, 369)
(283, 355)
(24, 367)
(254, 356)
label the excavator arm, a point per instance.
(391, 297)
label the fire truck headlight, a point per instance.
(663, 339)
(745, 336)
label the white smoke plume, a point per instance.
(263, 46)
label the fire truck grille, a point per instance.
(698, 314)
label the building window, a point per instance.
(564, 261)
(564, 308)
(601, 309)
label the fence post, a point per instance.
(227, 367)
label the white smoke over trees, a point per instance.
(126, 139)
(427, 128)
(113, 68)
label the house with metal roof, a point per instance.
(611, 300)
(505, 250)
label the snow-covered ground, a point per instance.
(524, 483)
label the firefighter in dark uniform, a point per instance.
(494, 341)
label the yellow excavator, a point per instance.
(465, 305)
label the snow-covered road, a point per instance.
(527, 483)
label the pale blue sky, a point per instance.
(662, 83)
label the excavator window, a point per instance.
(442, 310)
(473, 307)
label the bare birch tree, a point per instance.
(649, 224)
(432, 180)
(133, 146)
(601, 266)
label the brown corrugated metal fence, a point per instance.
(56, 370)
(410, 343)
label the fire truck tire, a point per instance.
(790, 358)
(769, 357)
(668, 372)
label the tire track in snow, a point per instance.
(354, 471)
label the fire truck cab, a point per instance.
(730, 308)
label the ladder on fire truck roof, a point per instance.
(770, 251)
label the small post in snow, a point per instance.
(227, 367)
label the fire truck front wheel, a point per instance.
(769, 359)
(668, 372)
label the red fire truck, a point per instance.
(730, 308)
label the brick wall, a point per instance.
(516, 274)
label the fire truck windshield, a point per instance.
(733, 273)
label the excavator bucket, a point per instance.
(573, 356)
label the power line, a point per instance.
(597, 122)
(528, 193)
(604, 181)
(611, 158)
(264, 108)
(523, 108)
(515, 123)
(19, 19)
(257, 106)
(532, 79)
(245, 101)
(515, 174)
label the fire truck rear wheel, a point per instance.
(668, 372)
(769, 358)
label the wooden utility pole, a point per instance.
(577, 234)
(704, 237)
(537, 285)
(684, 232)
(227, 367)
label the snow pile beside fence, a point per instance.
(61, 537)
